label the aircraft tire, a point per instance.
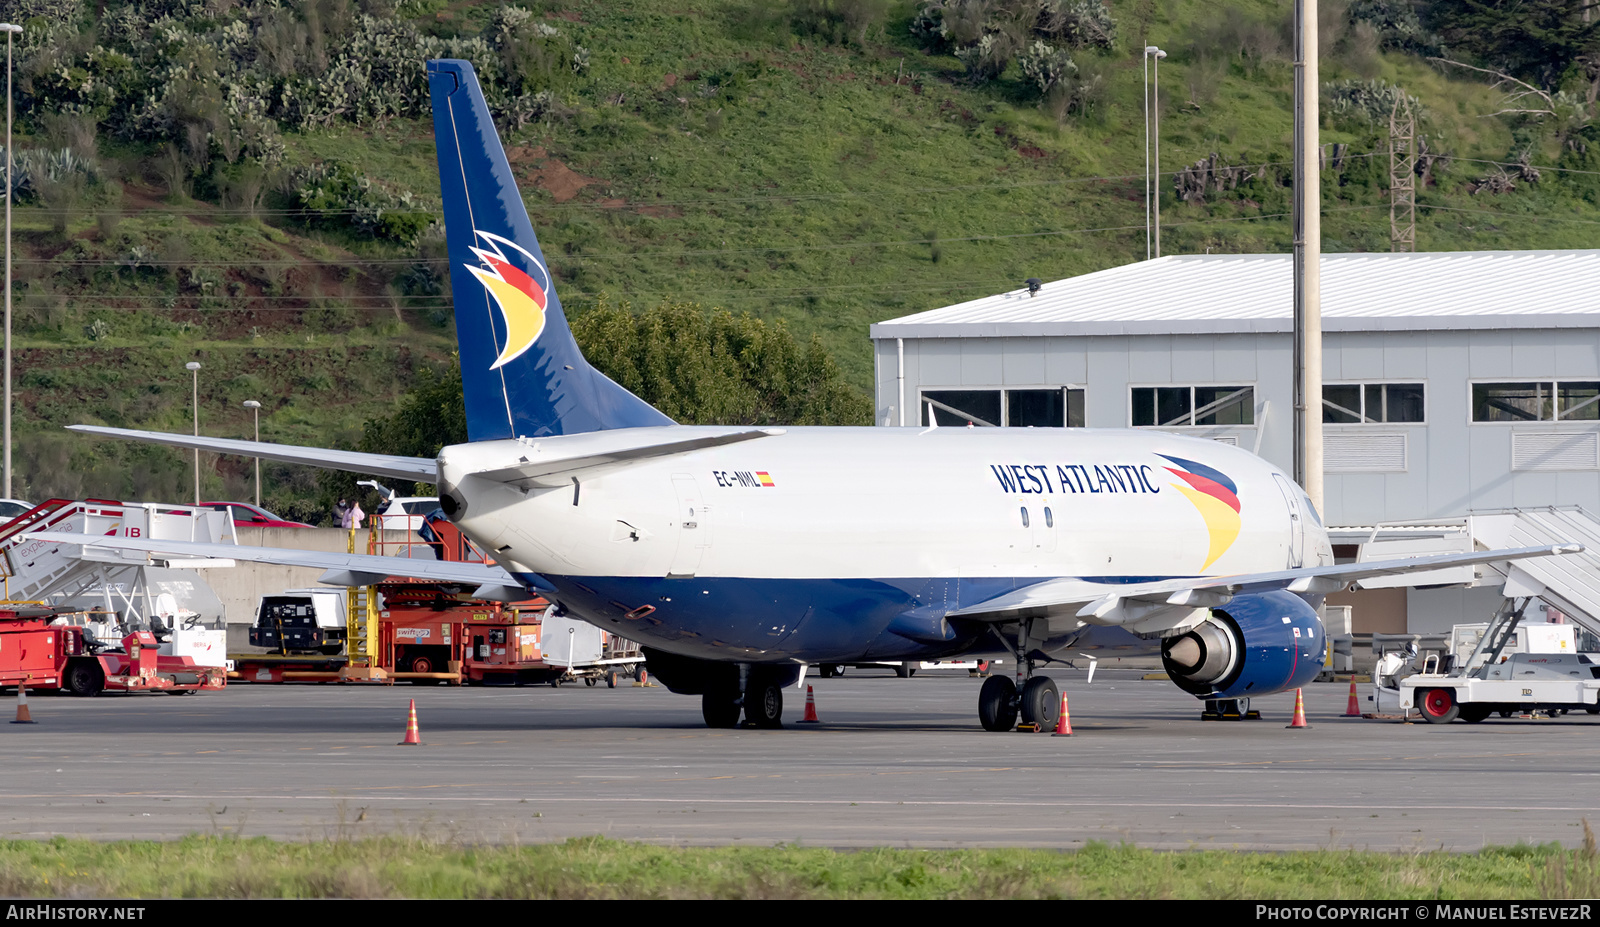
(763, 702)
(997, 704)
(720, 708)
(1041, 702)
(903, 670)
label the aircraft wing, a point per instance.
(554, 470)
(413, 469)
(342, 569)
(1166, 606)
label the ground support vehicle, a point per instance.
(431, 633)
(301, 622)
(1491, 681)
(41, 654)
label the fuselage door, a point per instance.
(693, 526)
(1297, 534)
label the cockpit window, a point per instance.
(1315, 515)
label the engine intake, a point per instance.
(1257, 644)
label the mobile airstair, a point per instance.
(1490, 679)
(53, 573)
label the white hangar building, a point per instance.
(1453, 381)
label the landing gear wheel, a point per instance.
(85, 679)
(1472, 714)
(904, 670)
(720, 708)
(1041, 702)
(997, 704)
(763, 702)
(1439, 706)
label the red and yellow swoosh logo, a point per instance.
(520, 297)
(1217, 498)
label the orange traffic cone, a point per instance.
(811, 708)
(1299, 711)
(1063, 723)
(411, 729)
(22, 706)
(1354, 711)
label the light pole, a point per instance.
(194, 369)
(1152, 182)
(255, 410)
(10, 30)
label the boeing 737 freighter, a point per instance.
(737, 555)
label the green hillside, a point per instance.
(251, 183)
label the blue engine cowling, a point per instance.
(1257, 644)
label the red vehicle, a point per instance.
(42, 655)
(246, 515)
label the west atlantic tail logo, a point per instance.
(1217, 498)
(521, 298)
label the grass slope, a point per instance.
(711, 153)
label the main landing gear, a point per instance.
(1035, 698)
(761, 702)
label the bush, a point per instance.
(986, 34)
(330, 194)
(1365, 102)
(1045, 67)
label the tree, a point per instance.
(1536, 40)
(716, 368)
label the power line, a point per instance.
(1508, 215)
(634, 255)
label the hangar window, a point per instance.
(1372, 403)
(1537, 401)
(1053, 407)
(1172, 406)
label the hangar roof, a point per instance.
(1230, 293)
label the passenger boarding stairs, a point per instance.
(1569, 583)
(37, 571)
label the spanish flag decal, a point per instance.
(764, 478)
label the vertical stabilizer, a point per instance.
(522, 372)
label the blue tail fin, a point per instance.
(522, 372)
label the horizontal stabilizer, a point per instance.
(1169, 605)
(557, 470)
(414, 469)
(342, 569)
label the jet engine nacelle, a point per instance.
(1257, 644)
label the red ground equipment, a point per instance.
(54, 656)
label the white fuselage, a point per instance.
(876, 520)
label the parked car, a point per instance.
(11, 508)
(400, 513)
(251, 516)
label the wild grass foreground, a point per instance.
(594, 867)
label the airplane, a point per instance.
(736, 556)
